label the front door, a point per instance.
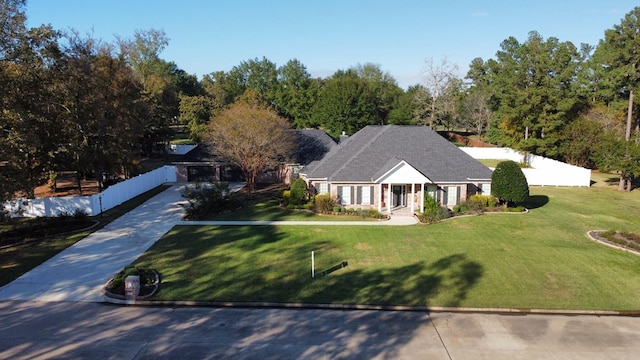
(399, 195)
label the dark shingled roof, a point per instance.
(200, 153)
(313, 144)
(372, 151)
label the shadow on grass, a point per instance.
(536, 201)
(262, 263)
(271, 264)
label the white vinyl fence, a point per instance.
(543, 171)
(93, 205)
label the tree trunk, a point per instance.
(79, 183)
(625, 184)
(627, 135)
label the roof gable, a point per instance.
(403, 172)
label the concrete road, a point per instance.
(42, 330)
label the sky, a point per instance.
(329, 35)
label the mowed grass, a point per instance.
(538, 260)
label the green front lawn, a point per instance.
(538, 260)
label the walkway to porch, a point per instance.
(399, 211)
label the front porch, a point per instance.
(400, 199)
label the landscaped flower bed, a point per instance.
(625, 240)
(149, 283)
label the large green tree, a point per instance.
(533, 92)
(29, 138)
(345, 103)
(295, 94)
(352, 99)
(102, 104)
(615, 76)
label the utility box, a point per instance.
(132, 287)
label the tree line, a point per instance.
(72, 102)
(543, 96)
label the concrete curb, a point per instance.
(591, 236)
(429, 309)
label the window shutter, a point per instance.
(371, 202)
(352, 194)
(458, 195)
(340, 194)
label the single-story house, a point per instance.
(390, 167)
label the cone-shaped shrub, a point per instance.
(509, 184)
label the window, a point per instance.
(322, 188)
(345, 193)
(365, 195)
(432, 191)
(452, 195)
(485, 189)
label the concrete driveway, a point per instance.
(79, 272)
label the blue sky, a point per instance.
(329, 35)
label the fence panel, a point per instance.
(543, 171)
(95, 204)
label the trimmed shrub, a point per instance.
(299, 192)
(484, 201)
(509, 184)
(209, 199)
(324, 203)
(433, 212)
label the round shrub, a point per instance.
(299, 193)
(509, 184)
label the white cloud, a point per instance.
(480, 14)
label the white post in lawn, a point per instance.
(313, 267)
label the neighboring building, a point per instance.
(390, 167)
(200, 165)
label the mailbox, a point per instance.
(132, 286)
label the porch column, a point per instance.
(413, 195)
(389, 199)
(380, 198)
(422, 199)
